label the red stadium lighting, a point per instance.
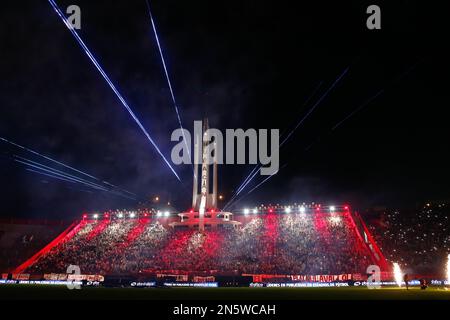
(270, 210)
(145, 215)
(191, 211)
(346, 207)
(212, 210)
(84, 216)
(106, 215)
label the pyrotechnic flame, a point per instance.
(398, 274)
(448, 269)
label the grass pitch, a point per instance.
(343, 293)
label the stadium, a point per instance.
(332, 183)
(303, 247)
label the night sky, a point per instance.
(242, 64)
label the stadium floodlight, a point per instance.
(166, 214)
(255, 211)
(120, 215)
(95, 216)
(287, 210)
(159, 214)
(302, 209)
(246, 211)
(398, 274)
(335, 220)
(332, 208)
(132, 215)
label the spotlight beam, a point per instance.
(112, 86)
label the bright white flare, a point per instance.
(332, 208)
(302, 209)
(246, 211)
(287, 210)
(398, 274)
(255, 211)
(132, 215)
(166, 214)
(448, 269)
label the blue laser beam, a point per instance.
(166, 72)
(362, 106)
(67, 176)
(56, 171)
(48, 158)
(257, 186)
(299, 123)
(108, 80)
(243, 183)
(63, 179)
(92, 185)
(49, 175)
(59, 163)
(315, 105)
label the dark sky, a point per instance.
(242, 64)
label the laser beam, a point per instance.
(68, 176)
(257, 186)
(169, 83)
(299, 123)
(315, 106)
(59, 163)
(108, 80)
(48, 158)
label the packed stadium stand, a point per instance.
(308, 244)
(21, 239)
(418, 239)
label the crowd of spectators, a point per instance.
(419, 239)
(18, 242)
(263, 244)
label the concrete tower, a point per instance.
(205, 174)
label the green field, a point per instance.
(347, 293)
